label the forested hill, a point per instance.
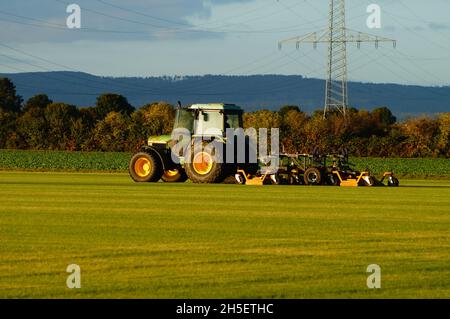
(252, 92)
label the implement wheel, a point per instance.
(313, 176)
(145, 167)
(393, 182)
(333, 180)
(369, 181)
(174, 176)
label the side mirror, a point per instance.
(205, 117)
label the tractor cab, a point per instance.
(209, 119)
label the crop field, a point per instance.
(118, 162)
(213, 241)
(63, 161)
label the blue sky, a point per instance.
(190, 37)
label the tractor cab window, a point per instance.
(184, 119)
(209, 123)
(233, 120)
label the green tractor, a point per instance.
(176, 161)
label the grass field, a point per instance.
(213, 241)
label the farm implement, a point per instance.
(306, 169)
(199, 156)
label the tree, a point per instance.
(421, 136)
(40, 101)
(383, 117)
(9, 100)
(110, 102)
(444, 134)
(317, 135)
(262, 119)
(112, 133)
(7, 128)
(292, 130)
(83, 128)
(33, 130)
(151, 119)
(360, 124)
(60, 119)
(287, 108)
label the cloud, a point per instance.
(390, 28)
(32, 21)
(438, 26)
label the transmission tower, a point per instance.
(336, 36)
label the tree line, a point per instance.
(114, 125)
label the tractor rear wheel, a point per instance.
(206, 164)
(145, 167)
(313, 176)
(174, 176)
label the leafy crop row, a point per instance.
(55, 160)
(405, 166)
(97, 161)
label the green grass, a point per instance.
(213, 241)
(97, 161)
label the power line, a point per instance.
(336, 36)
(413, 32)
(134, 88)
(177, 22)
(172, 29)
(47, 24)
(407, 78)
(247, 92)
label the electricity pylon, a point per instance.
(337, 36)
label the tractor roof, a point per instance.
(216, 106)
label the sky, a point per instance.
(231, 37)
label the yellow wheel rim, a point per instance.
(142, 167)
(202, 163)
(171, 173)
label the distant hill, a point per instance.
(252, 92)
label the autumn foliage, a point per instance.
(114, 125)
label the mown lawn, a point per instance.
(213, 241)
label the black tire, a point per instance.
(370, 182)
(393, 182)
(333, 180)
(145, 167)
(276, 180)
(313, 176)
(294, 180)
(239, 179)
(215, 173)
(174, 176)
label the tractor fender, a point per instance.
(162, 154)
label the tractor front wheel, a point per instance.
(145, 167)
(174, 176)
